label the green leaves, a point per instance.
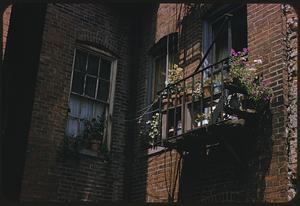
(154, 128)
(94, 128)
(243, 75)
(175, 74)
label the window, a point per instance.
(164, 54)
(161, 70)
(233, 35)
(91, 90)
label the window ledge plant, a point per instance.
(91, 139)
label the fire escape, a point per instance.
(202, 107)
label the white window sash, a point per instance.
(110, 100)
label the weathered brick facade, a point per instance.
(132, 172)
(217, 177)
(46, 176)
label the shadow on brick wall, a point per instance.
(216, 175)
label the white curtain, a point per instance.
(86, 109)
(82, 108)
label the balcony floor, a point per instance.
(210, 134)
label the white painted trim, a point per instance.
(155, 150)
(111, 103)
(109, 112)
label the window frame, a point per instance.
(111, 93)
(211, 18)
(154, 61)
(168, 61)
(164, 47)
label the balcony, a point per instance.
(201, 106)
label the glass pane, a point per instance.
(90, 86)
(72, 127)
(74, 105)
(81, 128)
(86, 110)
(99, 110)
(173, 59)
(103, 90)
(239, 30)
(93, 65)
(221, 45)
(77, 84)
(160, 74)
(80, 60)
(105, 68)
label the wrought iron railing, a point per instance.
(193, 102)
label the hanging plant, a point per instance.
(242, 74)
(154, 128)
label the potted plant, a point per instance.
(242, 74)
(192, 92)
(176, 94)
(207, 88)
(175, 74)
(259, 96)
(93, 132)
(201, 118)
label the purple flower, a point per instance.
(233, 53)
(245, 50)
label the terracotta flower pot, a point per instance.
(165, 101)
(207, 90)
(175, 99)
(95, 145)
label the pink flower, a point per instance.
(233, 53)
(245, 50)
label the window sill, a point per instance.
(93, 154)
(88, 152)
(156, 150)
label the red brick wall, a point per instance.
(6, 18)
(211, 178)
(148, 177)
(46, 175)
(162, 168)
(265, 41)
(173, 18)
(217, 177)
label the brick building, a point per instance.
(105, 62)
